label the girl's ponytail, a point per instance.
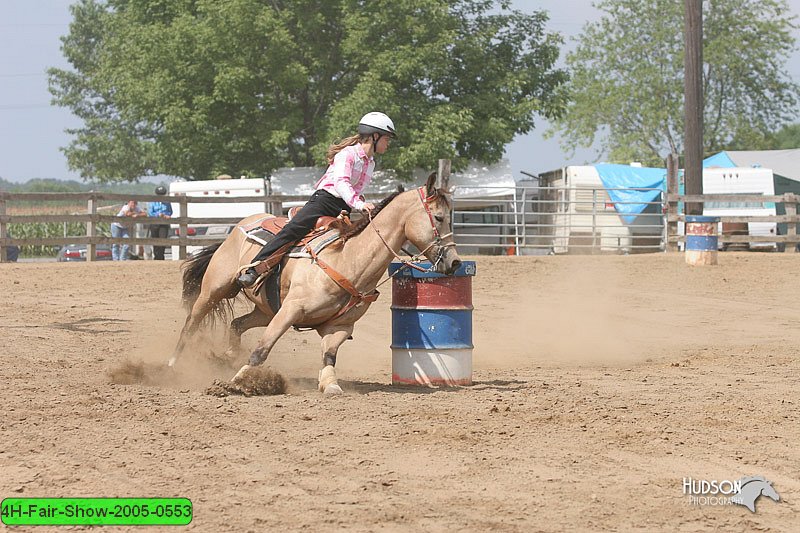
(341, 145)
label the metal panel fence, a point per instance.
(532, 220)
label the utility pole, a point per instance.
(693, 102)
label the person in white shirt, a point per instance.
(123, 229)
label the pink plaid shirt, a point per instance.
(346, 178)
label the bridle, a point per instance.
(357, 297)
(438, 239)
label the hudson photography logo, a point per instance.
(744, 491)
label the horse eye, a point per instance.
(439, 218)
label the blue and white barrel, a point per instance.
(432, 326)
(701, 240)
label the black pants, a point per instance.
(159, 231)
(322, 203)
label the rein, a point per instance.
(357, 298)
(437, 241)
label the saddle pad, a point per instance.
(258, 234)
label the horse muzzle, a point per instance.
(449, 261)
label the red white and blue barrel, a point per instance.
(431, 326)
(701, 240)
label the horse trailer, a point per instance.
(219, 188)
(584, 218)
(742, 180)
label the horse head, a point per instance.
(769, 491)
(752, 488)
(429, 228)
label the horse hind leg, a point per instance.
(331, 341)
(204, 304)
(199, 311)
(254, 319)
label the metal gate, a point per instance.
(532, 220)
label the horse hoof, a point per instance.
(333, 389)
(240, 373)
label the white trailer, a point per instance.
(220, 188)
(584, 215)
(741, 180)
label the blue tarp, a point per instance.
(634, 182)
(718, 160)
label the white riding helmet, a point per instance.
(376, 122)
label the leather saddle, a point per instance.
(275, 224)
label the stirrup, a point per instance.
(256, 286)
(246, 279)
(260, 277)
(252, 265)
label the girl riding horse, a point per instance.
(333, 289)
(350, 170)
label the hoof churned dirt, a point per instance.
(600, 384)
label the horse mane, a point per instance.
(357, 227)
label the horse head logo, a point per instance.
(752, 488)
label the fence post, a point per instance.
(790, 203)
(523, 225)
(594, 221)
(267, 192)
(516, 223)
(3, 229)
(271, 207)
(672, 206)
(91, 229)
(443, 175)
(183, 230)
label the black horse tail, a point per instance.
(194, 269)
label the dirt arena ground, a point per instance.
(600, 383)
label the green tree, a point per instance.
(195, 88)
(626, 87)
(787, 137)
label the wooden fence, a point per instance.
(92, 218)
(789, 200)
(790, 238)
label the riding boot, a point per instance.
(248, 277)
(251, 275)
(260, 269)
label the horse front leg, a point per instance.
(289, 314)
(332, 339)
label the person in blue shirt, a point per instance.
(159, 231)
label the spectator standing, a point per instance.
(159, 231)
(123, 229)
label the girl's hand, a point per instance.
(369, 206)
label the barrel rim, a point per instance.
(465, 269)
(701, 218)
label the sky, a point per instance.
(32, 131)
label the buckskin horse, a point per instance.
(330, 291)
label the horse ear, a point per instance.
(430, 186)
